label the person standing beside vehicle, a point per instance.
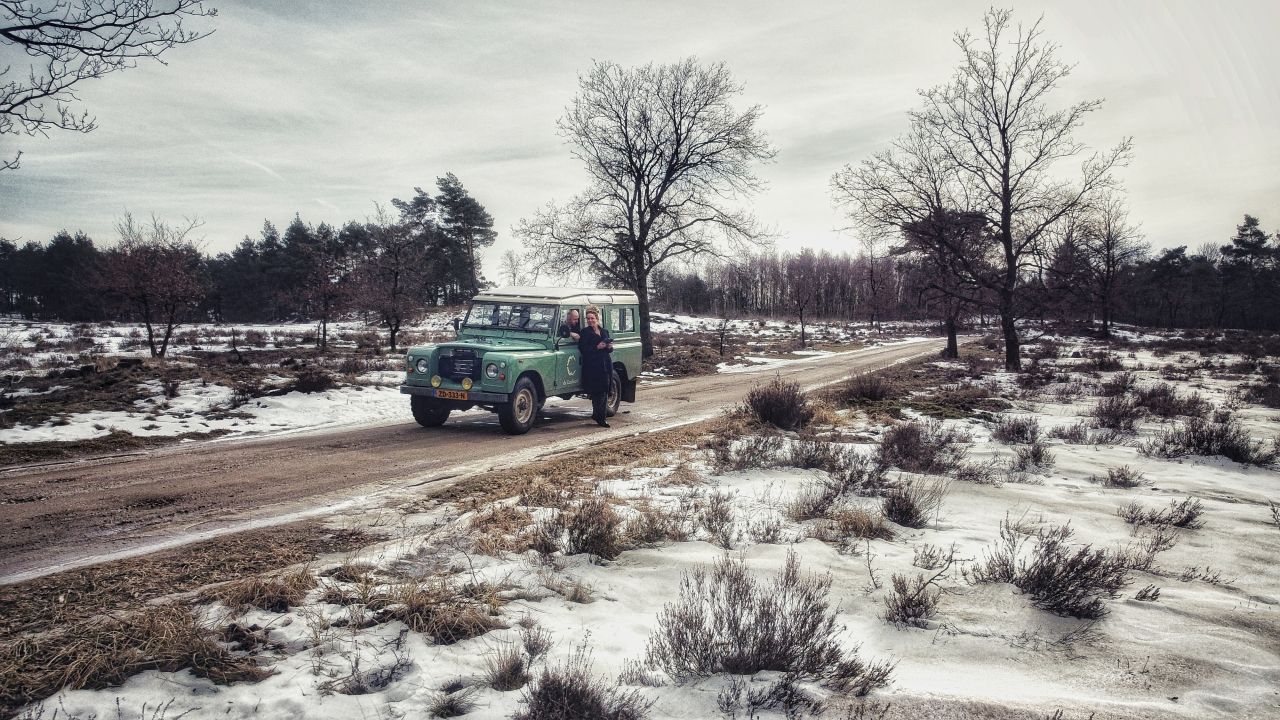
(595, 346)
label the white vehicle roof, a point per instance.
(599, 296)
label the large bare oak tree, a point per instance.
(70, 41)
(994, 142)
(668, 155)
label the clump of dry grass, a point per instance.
(98, 654)
(441, 609)
(274, 593)
(500, 529)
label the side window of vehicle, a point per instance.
(624, 321)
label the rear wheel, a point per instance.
(615, 394)
(429, 412)
(517, 416)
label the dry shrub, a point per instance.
(1183, 513)
(349, 572)
(1141, 554)
(274, 593)
(1016, 430)
(911, 602)
(454, 700)
(1035, 456)
(781, 403)
(312, 380)
(1119, 413)
(1121, 477)
(439, 609)
(913, 503)
(1075, 434)
(104, 653)
(731, 452)
(1198, 436)
(570, 691)
(1102, 361)
(652, 525)
(594, 527)
(1150, 593)
(726, 621)
(866, 387)
(500, 529)
(924, 447)
(1119, 384)
(507, 669)
(858, 522)
(1163, 401)
(717, 518)
(1059, 580)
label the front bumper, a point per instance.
(468, 396)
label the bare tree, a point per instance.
(987, 143)
(1110, 243)
(994, 125)
(802, 286)
(515, 270)
(391, 275)
(666, 153)
(69, 41)
(156, 270)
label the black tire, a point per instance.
(429, 412)
(517, 416)
(615, 395)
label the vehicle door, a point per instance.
(568, 377)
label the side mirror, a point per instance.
(457, 323)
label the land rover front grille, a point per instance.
(462, 364)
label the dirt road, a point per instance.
(56, 517)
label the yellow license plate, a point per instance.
(451, 394)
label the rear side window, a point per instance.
(624, 320)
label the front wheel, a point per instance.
(517, 416)
(429, 412)
(615, 395)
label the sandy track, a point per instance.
(56, 517)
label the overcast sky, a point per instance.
(323, 108)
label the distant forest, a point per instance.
(425, 254)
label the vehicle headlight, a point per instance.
(466, 383)
(424, 366)
(435, 381)
(491, 370)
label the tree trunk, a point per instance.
(646, 335)
(1012, 353)
(953, 346)
(802, 338)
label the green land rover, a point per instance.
(508, 356)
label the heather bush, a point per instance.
(727, 621)
(1075, 434)
(1163, 401)
(781, 403)
(924, 447)
(570, 691)
(1198, 436)
(1058, 579)
(913, 503)
(1118, 413)
(1016, 430)
(1121, 477)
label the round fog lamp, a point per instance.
(435, 381)
(491, 370)
(423, 365)
(466, 383)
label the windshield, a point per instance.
(510, 316)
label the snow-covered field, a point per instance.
(1205, 646)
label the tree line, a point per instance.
(420, 252)
(1101, 274)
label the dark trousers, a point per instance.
(599, 405)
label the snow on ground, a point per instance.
(1205, 648)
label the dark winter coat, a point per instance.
(597, 365)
